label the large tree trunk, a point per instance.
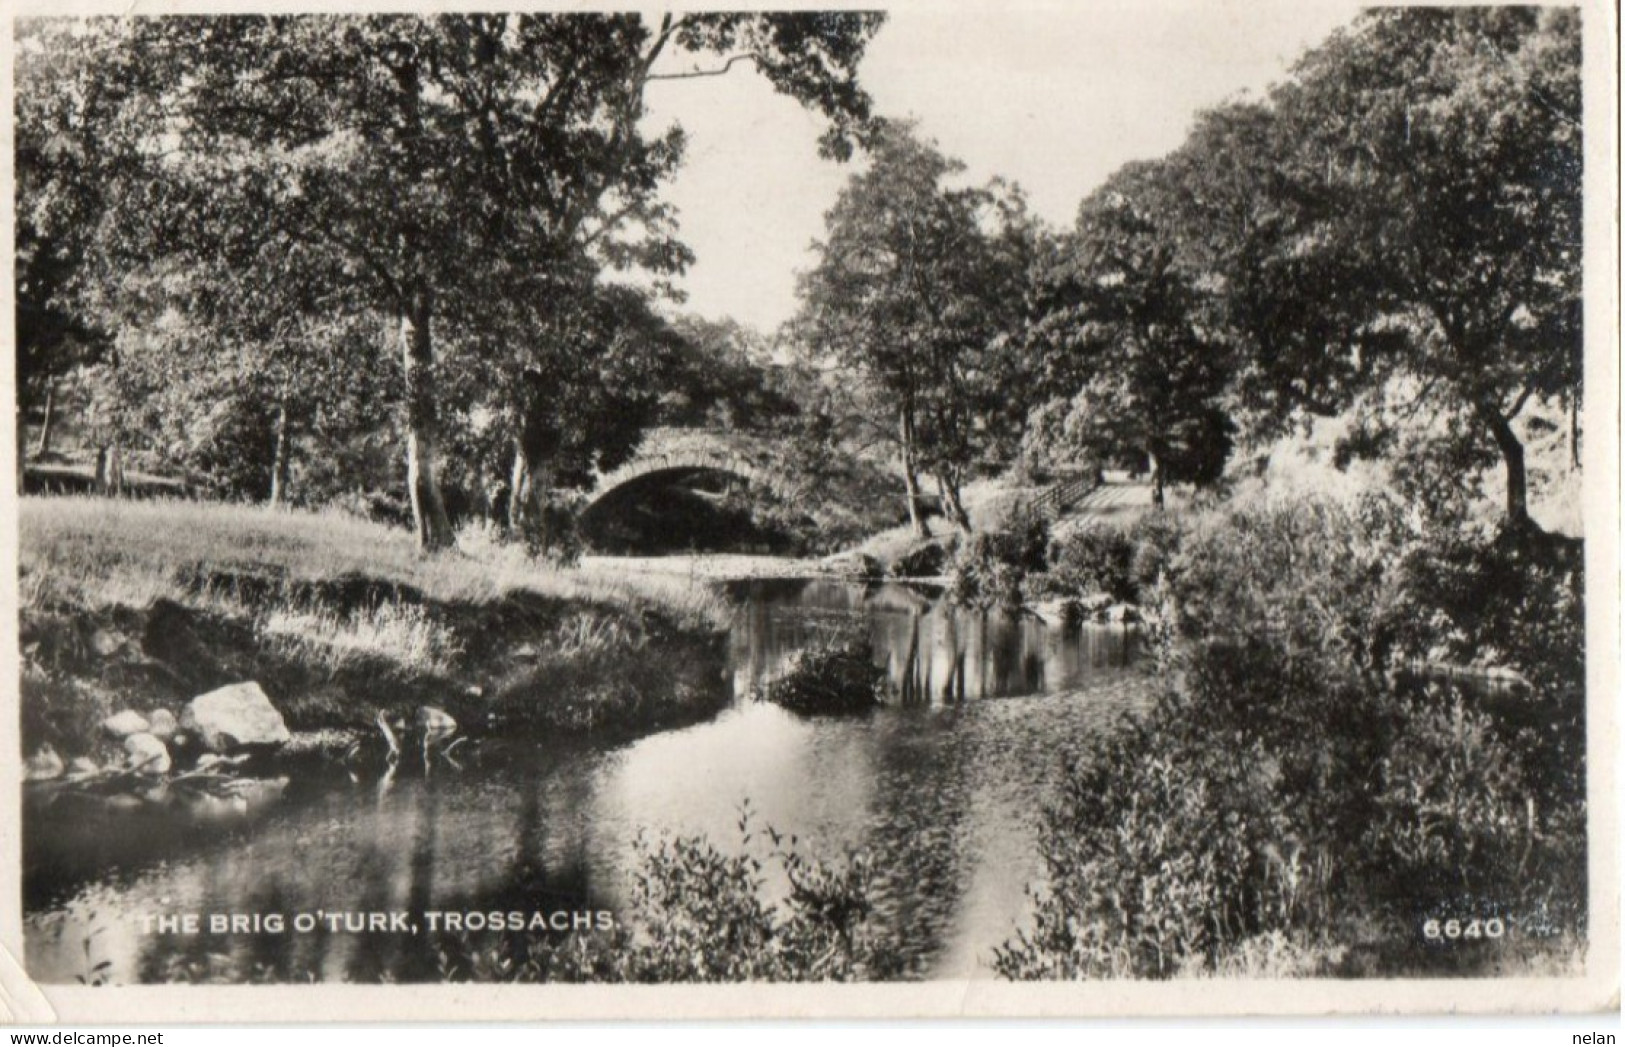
(422, 426)
(527, 499)
(518, 490)
(109, 470)
(911, 475)
(1517, 501)
(1159, 495)
(279, 459)
(43, 447)
(953, 505)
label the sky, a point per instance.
(1054, 96)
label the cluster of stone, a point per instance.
(231, 720)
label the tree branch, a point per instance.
(1518, 404)
(608, 224)
(750, 56)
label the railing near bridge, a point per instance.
(1057, 498)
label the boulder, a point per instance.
(83, 767)
(855, 565)
(146, 754)
(1057, 612)
(106, 643)
(161, 723)
(1123, 614)
(44, 765)
(433, 720)
(126, 722)
(1095, 605)
(233, 717)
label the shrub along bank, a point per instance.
(834, 674)
(1296, 804)
(699, 914)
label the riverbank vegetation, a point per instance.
(148, 603)
(1298, 803)
(701, 914)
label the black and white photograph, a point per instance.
(1031, 502)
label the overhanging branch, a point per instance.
(696, 74)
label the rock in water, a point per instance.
(126, 722)
(146, 754)
(432, 720)
(208, 760)
(161, 723)
(44, 765)
(233, 717)
(82, 767)
(855, 565)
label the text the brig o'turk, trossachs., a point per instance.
(398, 921)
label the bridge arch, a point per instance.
(676, 454)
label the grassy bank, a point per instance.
(127, 604)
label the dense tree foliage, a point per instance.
(66, 149)
(1448, 150)
(724, 376)
(450, 169)
(1139, 372)
(914, 284)
(1398, 222)
(263, 230)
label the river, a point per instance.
(943, 790)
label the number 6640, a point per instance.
(1452, 930)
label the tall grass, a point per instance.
(98, 552)
(341, 617)
(404, 634)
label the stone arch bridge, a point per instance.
(670, 455)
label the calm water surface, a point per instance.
(943, 789)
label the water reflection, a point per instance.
(943, 791)
(932, 651)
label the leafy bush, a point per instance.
(701, 915)
(1156, 538)
(1096, 559)
(927, 560)
(988, 567)
(1191, 833)
(1024, 539)
(1316, 575)
(837, 674)
(551, 532)
(1504, 596)
(1451, 802)
(980, 575)
(1291, 791)
(1111, 562)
